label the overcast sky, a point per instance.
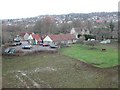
(11, 9)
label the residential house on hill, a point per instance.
(99, 21)
(61, 38)
(25, 35)
(34, 38)
(115, 34)
(73, 31)
(77, 31)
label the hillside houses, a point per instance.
(25, 35)
(68, 17)
(33, 38)
(95, 22)
(79, 31)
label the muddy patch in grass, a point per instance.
(55, 71)
(25, 80)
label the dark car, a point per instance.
(15, 43)
(26, 46)
(10, 51)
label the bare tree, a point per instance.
(45, 26)
(77, 23)
(9, 32)
(111, 28)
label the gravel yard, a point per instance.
(35, 48)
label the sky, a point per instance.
(12, 9)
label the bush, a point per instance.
(92, 44)
(81, 40)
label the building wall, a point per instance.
(26, 36)
(47, 39)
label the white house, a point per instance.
(47, 39)
(77, 31)
(61, 38)
(73, 31)
(34, 38)
(81, 31)
(25, 37)
(30, 38)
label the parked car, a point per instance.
(105, 41)
(46, 44)
(41, 44)
(16, 40)
(10, 51)
(15, 43)
(26, 46)
(53, 46)
(65, 45)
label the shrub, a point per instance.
(92, 44)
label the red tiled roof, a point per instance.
(43, 36)
(36, 36)
(99, 21)
(62, 37)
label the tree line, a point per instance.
(48, 25)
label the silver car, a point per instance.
(26, 46)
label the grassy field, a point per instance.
(96, 56)
(47, 70)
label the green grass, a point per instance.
(66, 74)
(96, 57)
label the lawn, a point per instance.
(45, 70)
(95, 57)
